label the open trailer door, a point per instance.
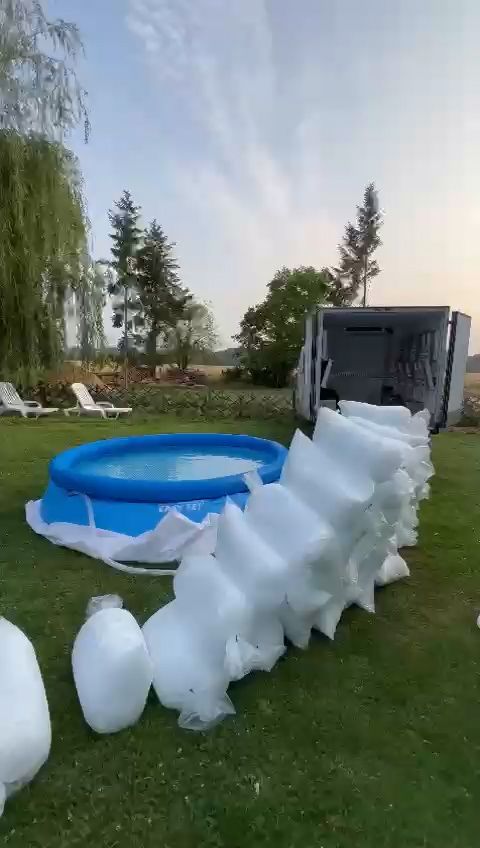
(457, 353)
(303, 380)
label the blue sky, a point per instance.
(249, 129)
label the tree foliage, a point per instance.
(158, 306)
(42, 240)
(126, 238)
(42, 215)
(39, 89)
(162, 298)
(271, 334)
(357, 267)
(193, 333)
(90, 299)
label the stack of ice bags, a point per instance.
(304, 549)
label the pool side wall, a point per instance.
(131, 518)
(133, 507)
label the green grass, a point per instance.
(373, 740)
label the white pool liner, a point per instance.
(173, 537)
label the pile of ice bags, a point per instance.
(304, 549)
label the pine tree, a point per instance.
(357, 268)
(126, 238)
(162, 297)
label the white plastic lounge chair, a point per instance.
(87, 406)
(12, 404)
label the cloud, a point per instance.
(259, 207)
(273, 118)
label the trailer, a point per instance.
(408, 355)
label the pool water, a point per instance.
(174, 463)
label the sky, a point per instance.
(250, 128)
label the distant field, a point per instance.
(213, 372)
(472, 384)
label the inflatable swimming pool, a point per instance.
(128, 485)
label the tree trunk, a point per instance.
(365, 275)
(151, 343)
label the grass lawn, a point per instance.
(373, 740)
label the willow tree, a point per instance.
(39, 89)
(90, 296)
(42, 215)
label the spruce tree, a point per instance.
(162, 297)
(126, 238)
(357, 267)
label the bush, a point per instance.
(51, 393)
(200, 403)
(274, 377)
(471, 412)
(187, 376)
(234, 375)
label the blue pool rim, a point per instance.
(64, 475)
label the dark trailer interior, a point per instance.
(413, 356)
